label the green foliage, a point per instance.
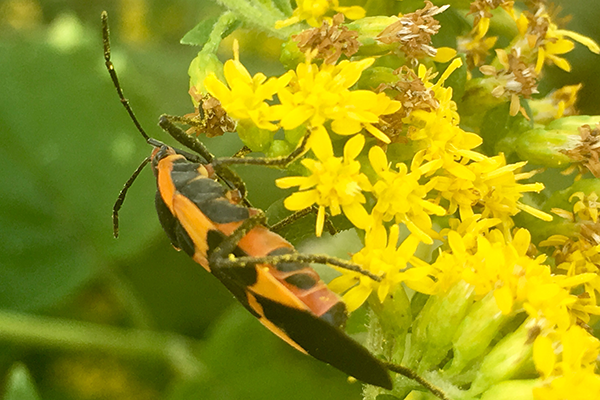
(200, 34)
(19, 385)
(259, 366)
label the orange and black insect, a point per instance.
(212, 223)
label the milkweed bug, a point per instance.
(211, 223)
(215, 225)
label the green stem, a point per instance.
(69, 335)
(226, 20)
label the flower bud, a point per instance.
(394, 316)
(203, 65)
(573, 123)
(291, 55)
(543, 147)
(293, 136)
(475, 333)
(255, 138)
(436, 325)
(375, 76)
(511, 390)
(556, 145)
(368, 29)
(278, 148)
(505, 360)
(478, 98)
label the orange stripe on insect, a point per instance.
(196, 225)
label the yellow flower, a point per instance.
(579, 261)
(313, 12)
(491, 263)
(401, 197)
(491, 184)
(382, 257)
(335, 182)
(570, 369)
(556, 104)
(437, 132)
(547, 47)
(318, 94)
(586, 208)
(245, 97)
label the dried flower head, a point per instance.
(414, 30)
(329, 42)
(209, 117)
(481, 8)
(412, 93)
(516, 79)
(541, 41)
(586, 154)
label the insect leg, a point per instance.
(290, 219)
(222, 256)
(228, 245)
(298, 257)
(279, 162)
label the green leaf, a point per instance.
(20, 385)
(199, 34)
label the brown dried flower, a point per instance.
(413, 95)
(330, 42)
(414, 30)
(586, 154)
(209, 117)
(481, 8)
(516, 79)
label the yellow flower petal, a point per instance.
(378, 160)
(377, 133)
(357, 214)
(353, 147)
(300, 200)
(504, 299)
(543, 356)
(320, 143)
(290, 181)
(355, 297)
(444, 54)
(584, 40)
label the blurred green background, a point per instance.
(85, 316)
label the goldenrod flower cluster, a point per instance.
(430, 154)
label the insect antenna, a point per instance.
(113, 74)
